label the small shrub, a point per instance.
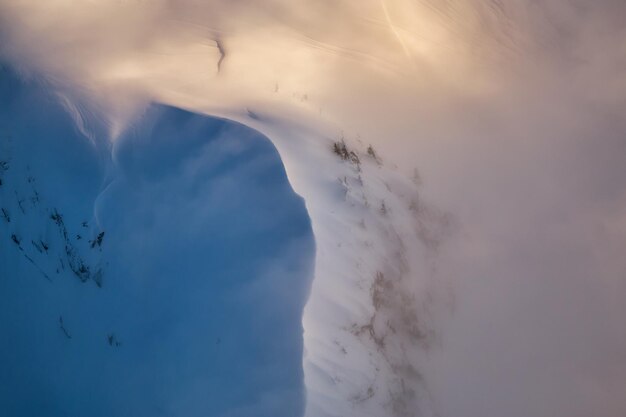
(341, 149)
(372, 153)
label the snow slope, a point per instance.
(164, 276)
(513, 109)
(367, 323)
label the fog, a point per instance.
(511, 111)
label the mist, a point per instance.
(511, 111)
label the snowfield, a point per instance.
(362, 208)
(177, 259)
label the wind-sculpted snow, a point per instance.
(200, 255)
(369, 321)
(512, 111)
(166, 276)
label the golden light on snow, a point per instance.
(512, 109)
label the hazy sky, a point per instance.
(512, 111)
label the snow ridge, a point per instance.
(369, 320)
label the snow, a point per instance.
(204, 241)
(364, 339)
(488, 99)
(206, 262)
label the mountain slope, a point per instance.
(164, 276)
